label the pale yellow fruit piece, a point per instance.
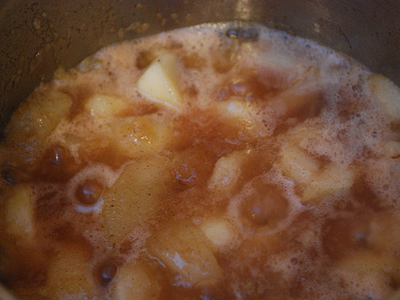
(303, 134)
(220, 232)
(335, 178)
(70, 274)
(133, 282)
(298, 165)
(298, 97)
(302, 93)
(316, 139)
(238, 113)
(105, 106)
(134, 198)
(392, 149)
(160, 81)
(185, 251)
(141, 136)
(226, 172)
(388, 95)
(19, 215)
(34, 121)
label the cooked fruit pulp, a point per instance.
(224, 161)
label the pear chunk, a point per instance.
(226, 172)
(134, 198)
(220, 232)
(335, 178)
(141, 136)
(183, 249)
(104, 106)
(33, 123)
(160, 81)
(19, 212)
(241, 115)
(298, 165)
(133, 282)
(70, 275)
(388, 95)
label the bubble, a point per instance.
(106, 272)
(264, 206)
(89, 192)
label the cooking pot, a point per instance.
(38, 36)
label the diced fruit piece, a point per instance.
(298, 165)
(185, 251)
(388, 95)
(240, 114)
(19, 215)
(220, 232)
(70, 274)
(335, 178)
(299, 97)
(141, 136)
(226, 172)
(22, 259)
(304, 133)
(133, 282)
(134, 197)
(160, 81)
(104, 106)
(316, 138)
(303, 94)
(33, 122)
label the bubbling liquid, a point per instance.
(223, 161)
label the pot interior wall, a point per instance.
(39, 36)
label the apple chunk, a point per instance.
(335, 178)
(134, 198)
(298, 165)
(160, 81)
(388, 95)
(184, 250)
(105, 106)
(226, 172)
(220, 232)
(19, 215)
(33, 123)
(133, 282)
(141, 136)
(241, 115)
(70, 274)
